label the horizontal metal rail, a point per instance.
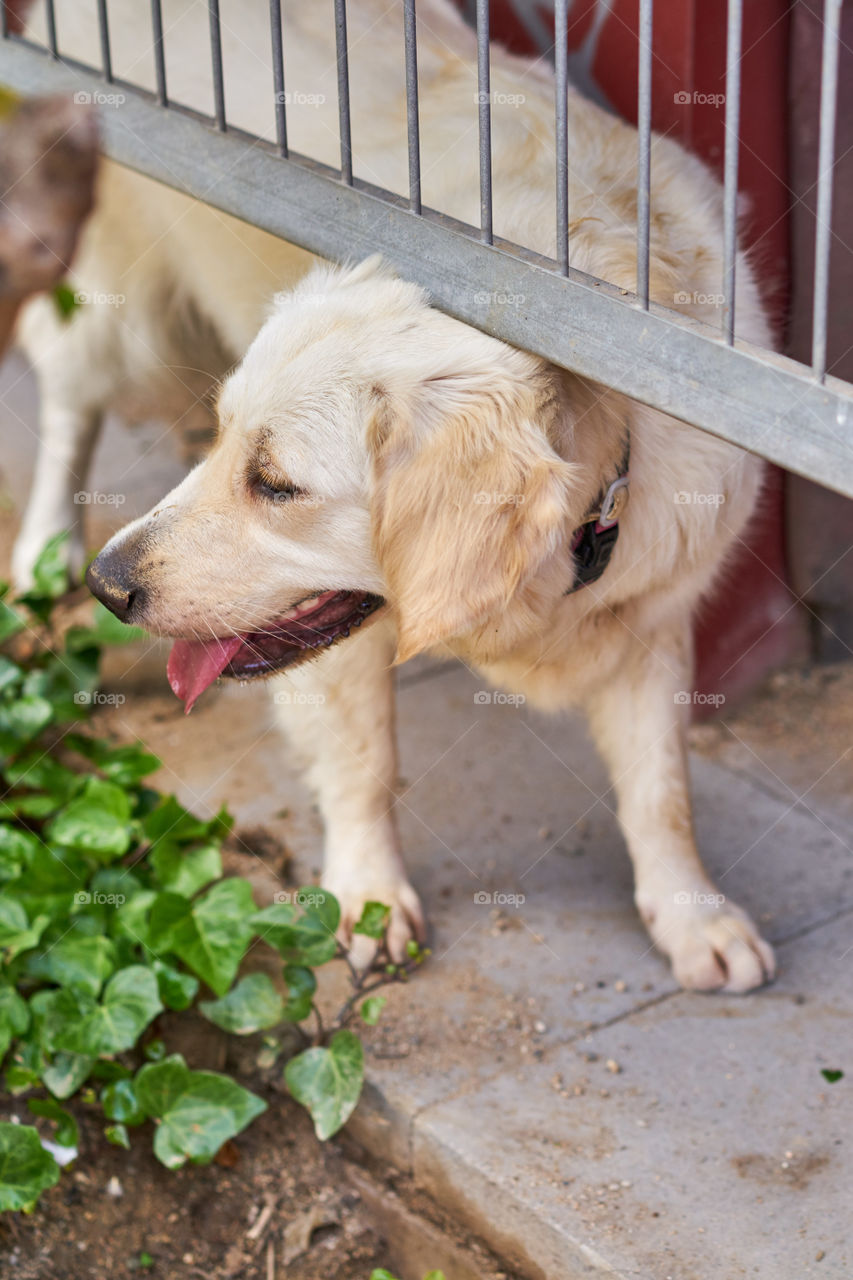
(754, 398)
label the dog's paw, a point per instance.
(713, 947)
(407, 920)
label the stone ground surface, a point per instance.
(543, 1079)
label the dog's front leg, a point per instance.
(67, 439)
(339, 714)
(639, 719)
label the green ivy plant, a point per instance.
(381, 1274)
(114, 908)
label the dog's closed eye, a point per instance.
(274, 488)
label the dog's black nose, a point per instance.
(110, 578)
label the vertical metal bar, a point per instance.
(484, 104)
(343, 90)
(730, 190)
(104, 29)
(216, 63)
(561, 62)
(50, 14)
(4, 21)
(412, 120)
(644, 149)
(826, 159)
(159, 52)
(278, 77)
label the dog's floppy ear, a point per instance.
(469, 499)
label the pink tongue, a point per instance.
(195, 664)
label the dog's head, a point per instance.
(370, 450)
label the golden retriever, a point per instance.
(380, 463)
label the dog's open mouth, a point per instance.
(312, 625)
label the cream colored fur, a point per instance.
(441, 468)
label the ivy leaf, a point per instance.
(130, 921)
(16, 932)
(124, 765)
(209, 934)
(120, 1102)
(97, 821)
(75, 1022)
(117, 1135)
(65, 300)
(10, 672)
(14, 1018)
(16, 846)
(40, 772)
(374, 920)
(198, 1111)
(108, 630)
(11, 622)
(371, 1009)
(26, 1169)
(186, 871)
(309, 939)
(65, 1074)
(25, 1065)
(78, 962)
(50, 571)
(253, 1005)
(301, 985)
(22, 720)
(171, 819)
(67, 1133)
(832, 1076)
(177, 990)
(328, 1081)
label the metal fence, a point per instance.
(791, 413)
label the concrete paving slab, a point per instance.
(716, 1151)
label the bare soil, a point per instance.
(275, 1203)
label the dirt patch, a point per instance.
(795, 735)
(795, 1172)
(273, 1194)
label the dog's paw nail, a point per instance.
(720, 952)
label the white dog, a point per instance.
(379, 462)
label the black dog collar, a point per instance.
(593, 542)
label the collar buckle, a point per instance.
(614, 503)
